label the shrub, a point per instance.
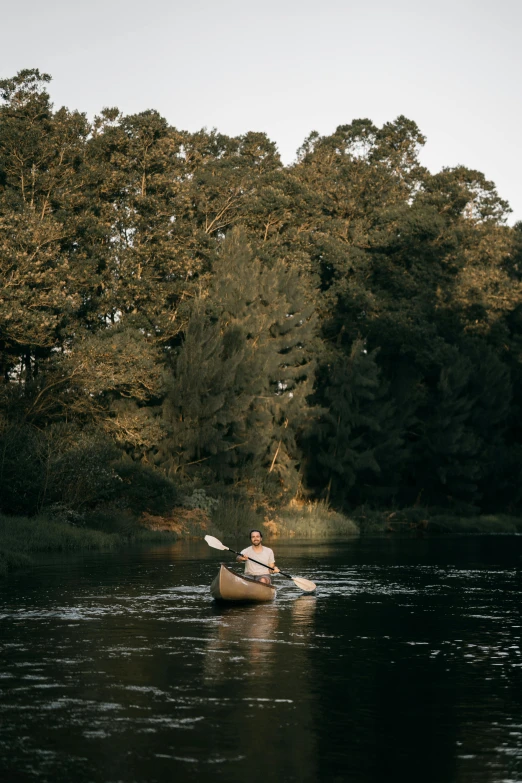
(111, 519)
(21, 470)
(200, 499)
(142, 488)
(82, 476)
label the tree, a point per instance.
(40, 194)
(356, 448)
(207, 310)
(243, 373)
(456, 458)
(203, 407)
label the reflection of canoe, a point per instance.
(229, 586)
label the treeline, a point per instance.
(180, 310)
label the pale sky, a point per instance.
(287, 67)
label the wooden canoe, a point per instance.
(230, 586)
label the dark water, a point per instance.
(406, 666)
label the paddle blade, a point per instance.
(213, 542)
(304, 584)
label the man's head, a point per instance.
(256, 537)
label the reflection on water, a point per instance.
(303, 610)
(405, 665)
(244, 635)
(250, 635)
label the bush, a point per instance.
(142, 488)
(112, 519)
(200, 499)
(60, 512)
(66, 472)
(92, 475)
(21, 470)
(83, 476)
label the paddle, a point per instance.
(303, 584)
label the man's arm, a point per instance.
(273, 565)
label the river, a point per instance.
(405, 666)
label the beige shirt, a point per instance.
(265, 556)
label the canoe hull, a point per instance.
(229, 586)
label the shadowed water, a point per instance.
(405, 666)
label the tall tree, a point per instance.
(357, 446)
(41, 195)
(244, 371)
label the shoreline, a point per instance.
(21, 536)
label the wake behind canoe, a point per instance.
(230, 586)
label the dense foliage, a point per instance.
(180, 310)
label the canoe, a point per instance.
(230, 586)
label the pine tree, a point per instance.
(241, 378)
(356, 447)
(203, 408)
(273, 307)
(446, 465)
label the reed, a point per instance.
(310, 520)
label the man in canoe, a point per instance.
(261, 573)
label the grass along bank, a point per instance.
(433, 522)
(21, 536)
(310, 520)
(232, 518)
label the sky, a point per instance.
(287, 67)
